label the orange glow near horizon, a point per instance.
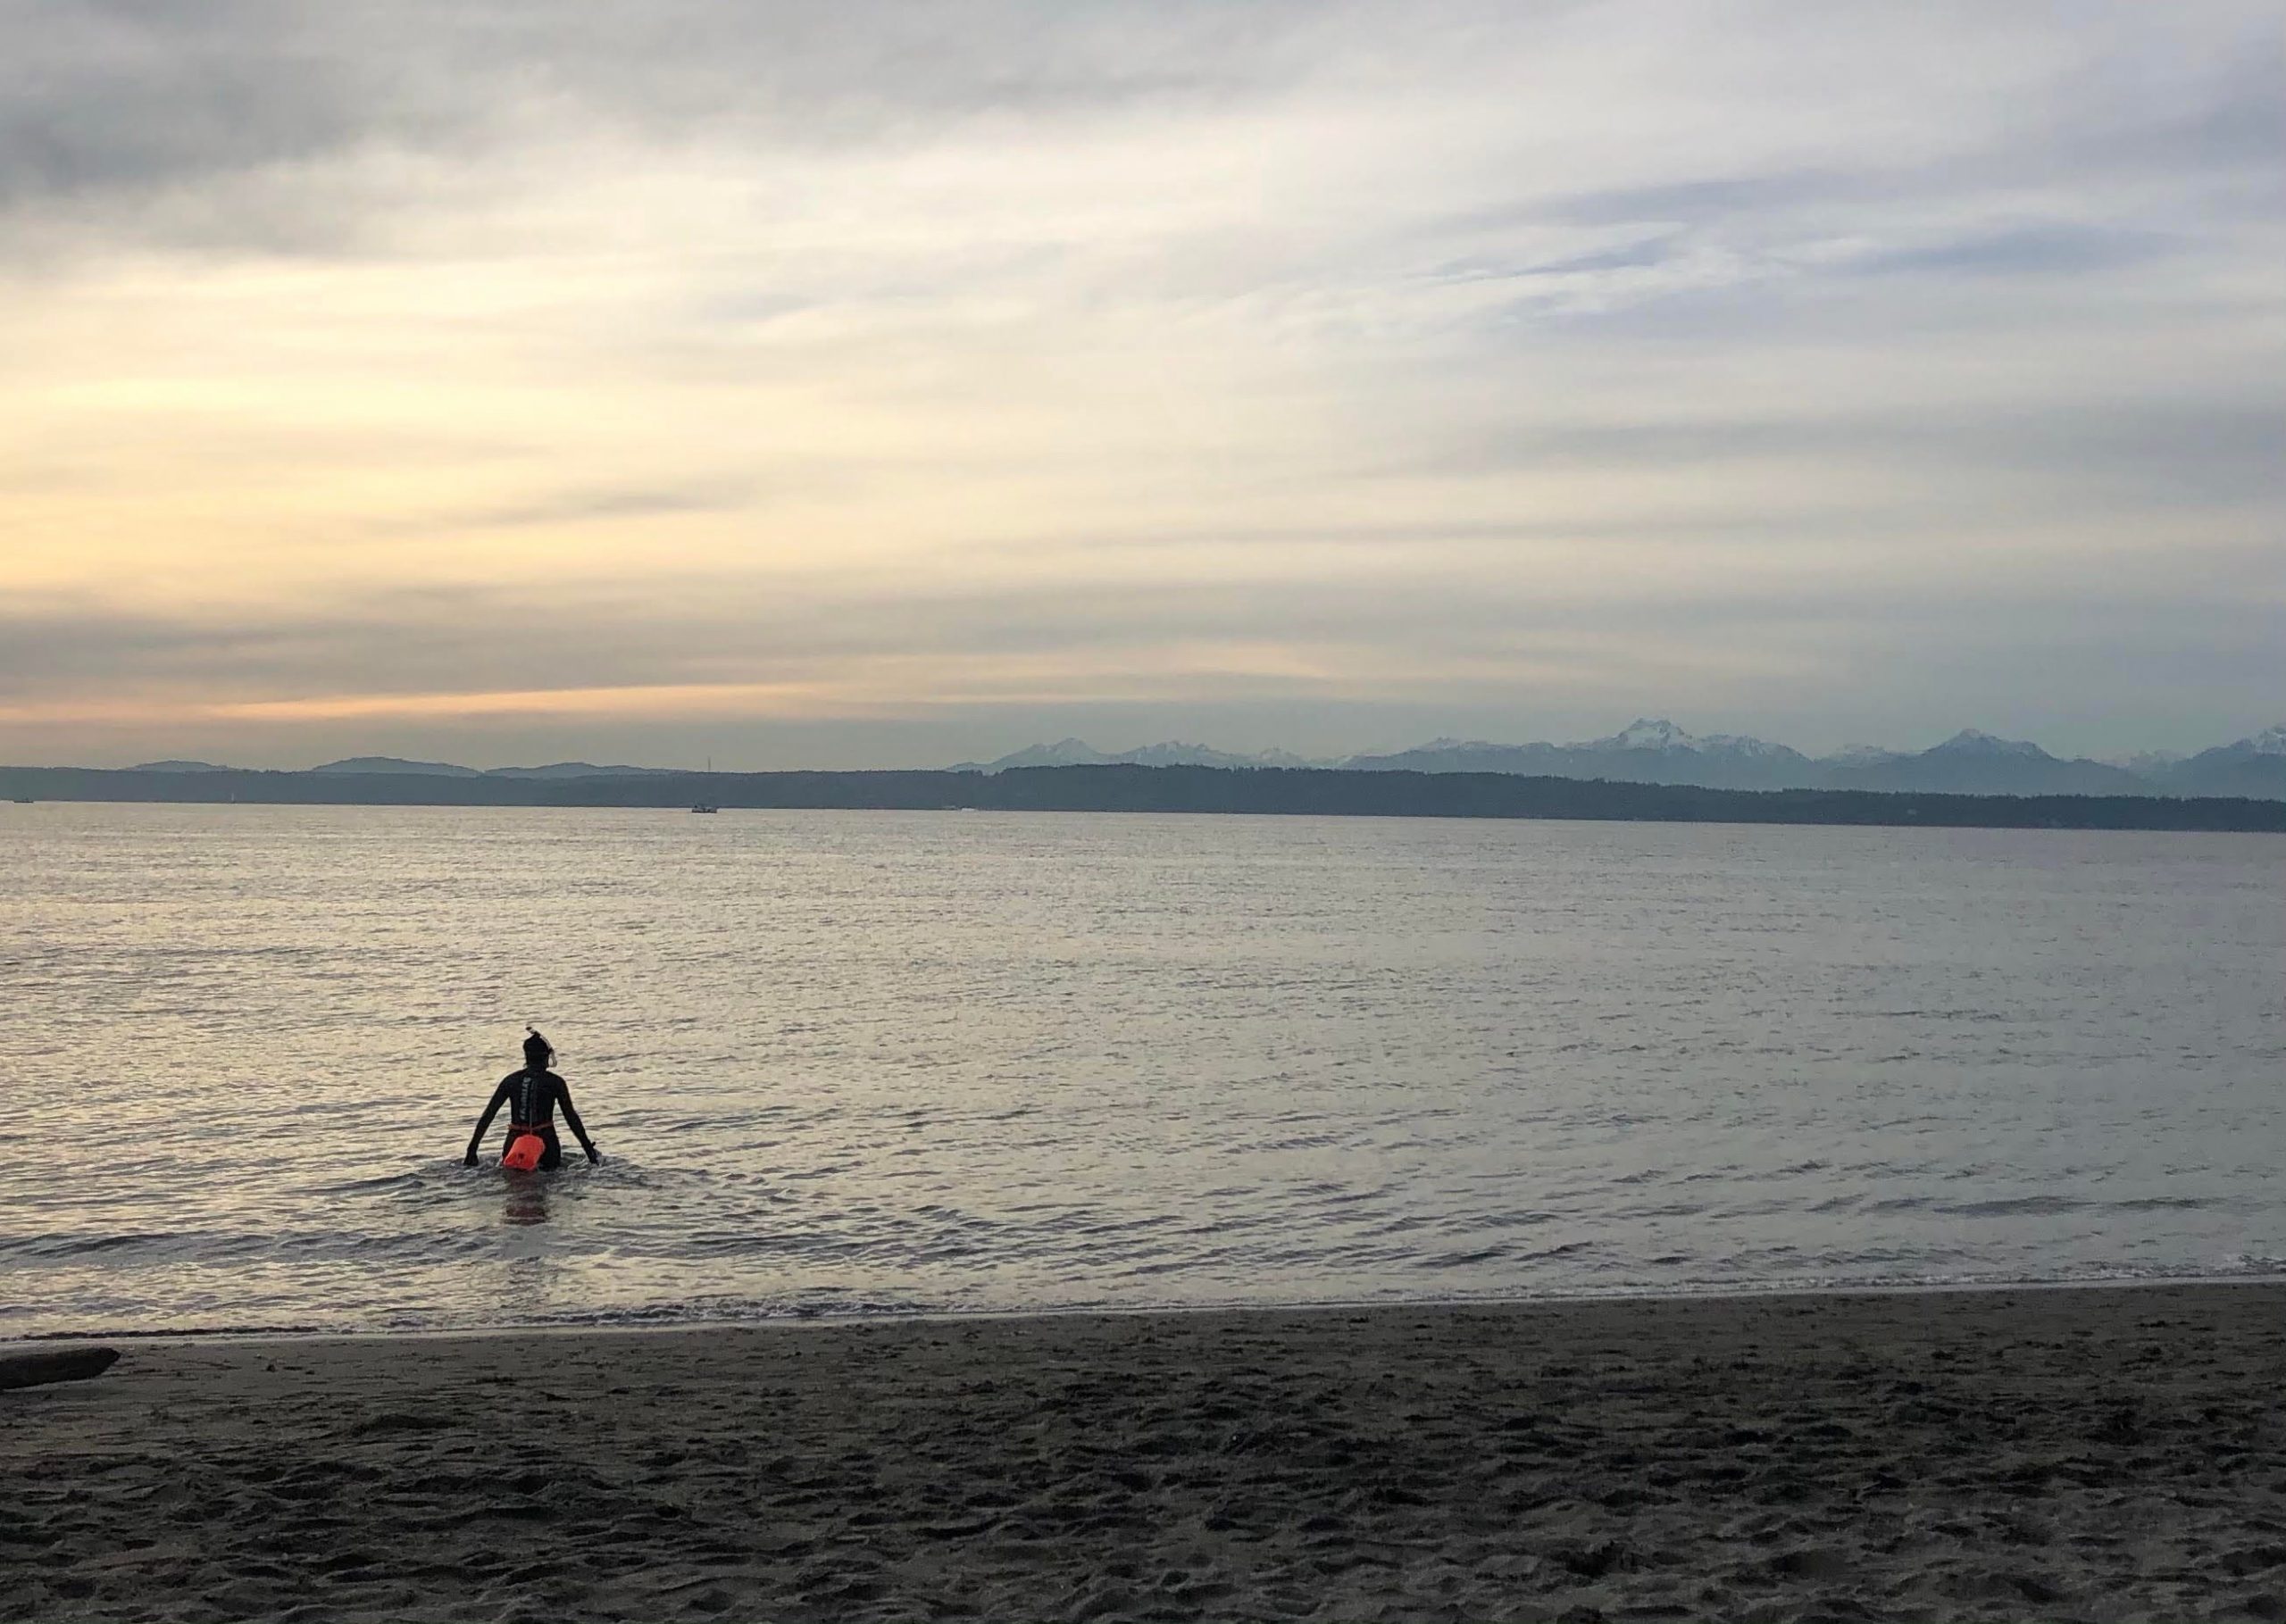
(1512, 374)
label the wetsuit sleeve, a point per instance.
(491, 1110)
(563, 1094)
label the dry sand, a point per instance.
(2097, 1454)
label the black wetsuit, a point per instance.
(532, 1097)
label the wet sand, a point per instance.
(2084, 1453)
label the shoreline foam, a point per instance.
(647, 1323)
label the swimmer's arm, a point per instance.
(571, 1115)
(499, 1098)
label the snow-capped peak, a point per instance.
(1740, 744)
(1974, 741)
(2145, 761)
(1645, 733)
(1657, 733)
(2270, 741)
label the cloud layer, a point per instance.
(877, 383)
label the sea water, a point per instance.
(873, 1063)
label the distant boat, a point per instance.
(707, 809)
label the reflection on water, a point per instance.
(525, 1292)
(861, 1062)
(527, 1197)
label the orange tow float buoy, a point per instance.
(523, 1152)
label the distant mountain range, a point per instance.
(1078, 753)
(1655, 750)
(1647, 751)
(369, 765)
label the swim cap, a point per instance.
(537, 1050)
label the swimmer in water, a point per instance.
(531, 1097)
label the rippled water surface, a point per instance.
(866, 1062)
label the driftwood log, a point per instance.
(63, 1364)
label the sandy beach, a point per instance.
(2059, 1453)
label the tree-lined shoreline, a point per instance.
(1260, 791)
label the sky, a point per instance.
(888, 385)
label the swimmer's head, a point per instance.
(537, 1050)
